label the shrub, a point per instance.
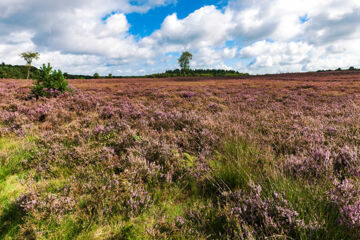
(49, 83)
(96, 75)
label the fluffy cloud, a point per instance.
(205, 27)
(281, 19)
(305, 35)
(72, 30)
(276, 57)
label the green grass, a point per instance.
(12, 153)
(237, 163)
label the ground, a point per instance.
(256, 157)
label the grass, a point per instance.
(240, 163)
(11, 218)
(235, 165)
(12, 154)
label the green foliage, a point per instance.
(17, 72)
(29, 57)
(189, 160)
(184, 61)
(239, 163)
(49, 82)
(96, 75)
(11, 171)
(199, 73)
(73, 76)
(10, 220)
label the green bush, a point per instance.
(96, 75)
(49, 83)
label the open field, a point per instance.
(259, 157)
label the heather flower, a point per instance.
(319, 163)
(179, 221)
(107, 112)
(265, 215)
(188, 94)
(331, 131)
(346, 196)
(347, 162)
(99, 129)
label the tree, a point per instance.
(96, 75)
(49, 83)
(29, 57)
(184, 61)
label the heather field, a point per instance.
(258, 157)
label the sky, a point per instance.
(137, 37)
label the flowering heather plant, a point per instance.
(108, 112)
(265, 215)
(341, 163)
(346, 196)
(188, 94)
(122, 154)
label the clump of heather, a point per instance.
(44, 206)
(337, 162)
(188, 94)
(347, 162)
(108, 112)
(314, 165)
(346, 197)
(266, 215)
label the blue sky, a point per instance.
(143, 24)
(135, 37)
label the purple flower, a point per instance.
(188, 94)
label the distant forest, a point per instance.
(20, 71)
(17, 71)
(198, 73)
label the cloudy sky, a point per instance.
(135, 37)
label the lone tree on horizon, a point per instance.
(184, 61)
(29, 57)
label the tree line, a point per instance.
(198, 73)
(17, 71)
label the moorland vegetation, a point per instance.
(256, 158)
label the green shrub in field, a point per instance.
(49, 82)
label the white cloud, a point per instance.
(85, 36)
(275, 57)
(205, 27)
(12, 45)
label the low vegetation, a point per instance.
(159, 159)
(49, 83)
